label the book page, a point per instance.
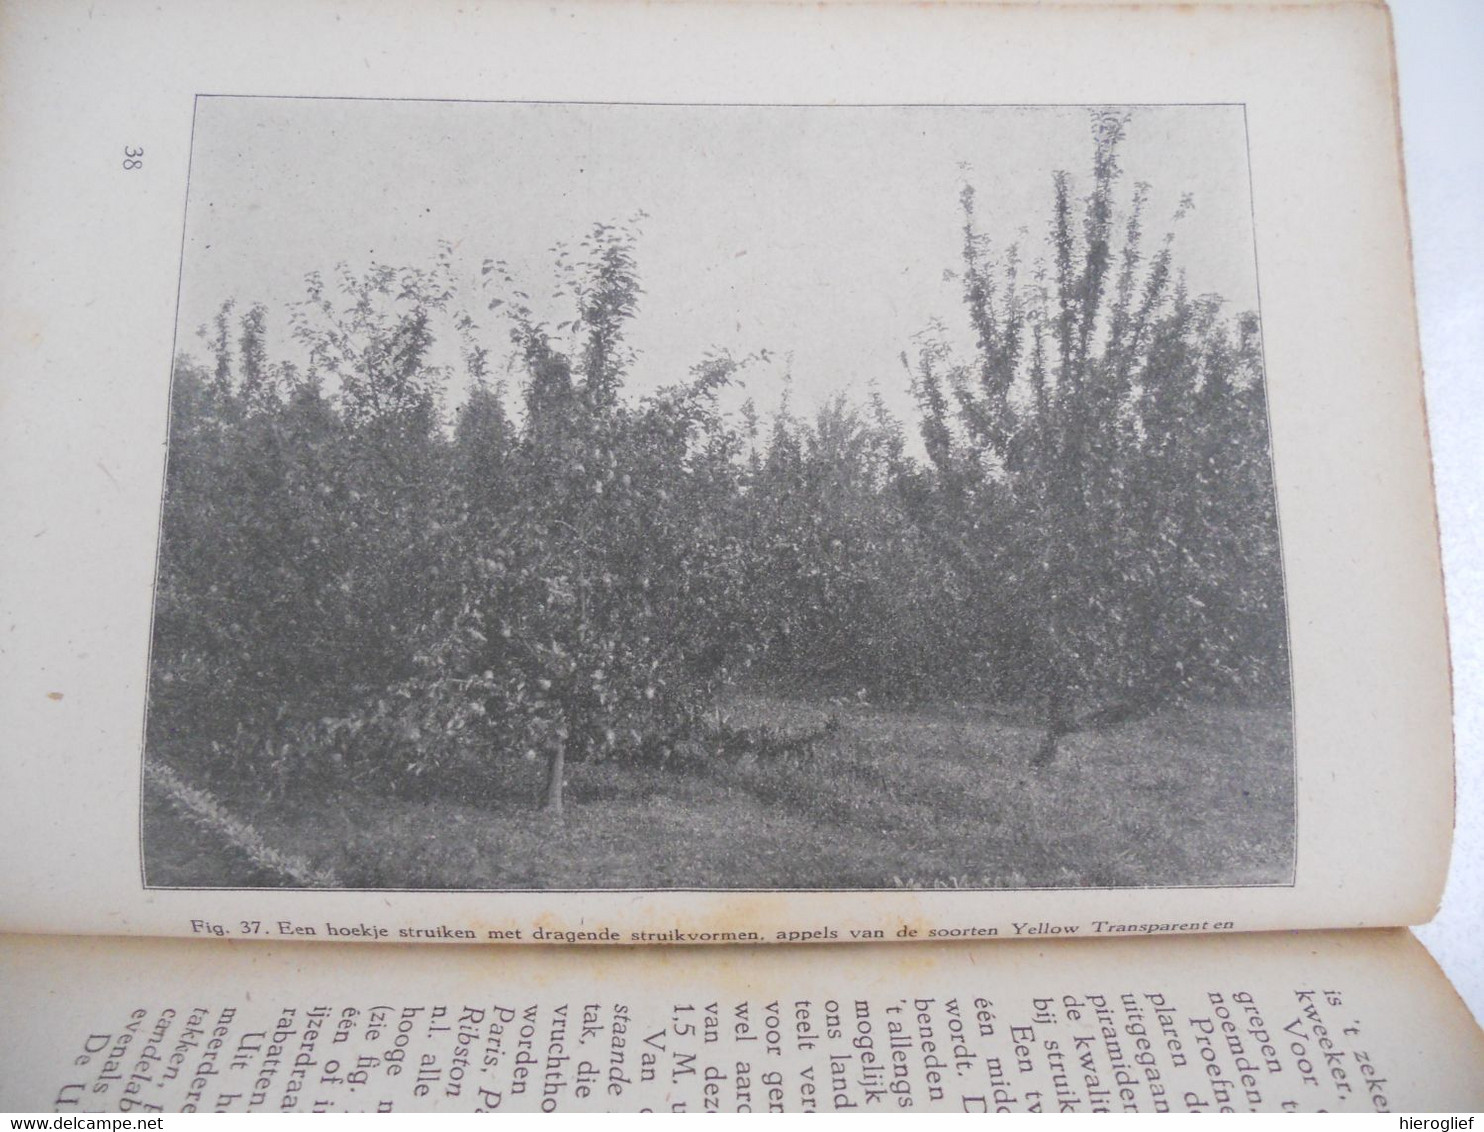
(1336, 1022)
(713, 474)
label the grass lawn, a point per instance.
(928, 797)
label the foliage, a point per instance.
(1101, 464)
(388, 568)
(366, 595)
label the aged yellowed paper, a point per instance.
(713, 473)
(1340, 1022)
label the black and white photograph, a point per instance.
(597, 496)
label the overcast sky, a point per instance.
(817, 232)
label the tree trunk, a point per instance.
(555, 772)
(1058, 723)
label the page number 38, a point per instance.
(133, 158)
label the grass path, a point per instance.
(937, 797)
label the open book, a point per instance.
(952, 480)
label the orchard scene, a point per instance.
(455, 592)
